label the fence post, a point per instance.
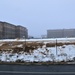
(56, 46)
(24, 43)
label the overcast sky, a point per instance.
(39, 15)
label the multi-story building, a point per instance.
(1, 29)
(60, 33)
(10, 31)
(21, 32)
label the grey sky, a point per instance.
(39, 15)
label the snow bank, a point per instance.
(41, 55)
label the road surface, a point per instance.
(37, 69)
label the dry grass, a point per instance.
(35, 44)
(29, 45)
(59, 44)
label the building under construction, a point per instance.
(10, 31)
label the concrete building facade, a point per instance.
(10, 31)
(21, 32)
(60, 33)
(1, 29)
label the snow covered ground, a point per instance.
(41, 55)
(44, 54)
(49, 39)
